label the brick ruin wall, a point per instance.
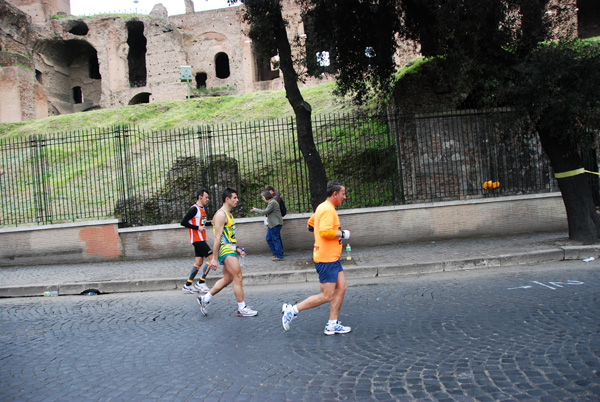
(80, 64)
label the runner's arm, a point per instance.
(326, 229)
(186, 219)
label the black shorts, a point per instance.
(202, 249)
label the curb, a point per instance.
(307, 275)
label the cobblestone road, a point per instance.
(528, 333)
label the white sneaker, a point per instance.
(189, 289)
(202, 304)
(287, 315)
(337, 328)
(247, 312)
(201, 287)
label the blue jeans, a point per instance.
(274, 241)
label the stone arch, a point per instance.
(77, 27)
(66, 64)
(222, 65)
(142, 97)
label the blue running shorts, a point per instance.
(328, 271)
(227, 250)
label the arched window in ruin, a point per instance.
(201, 80)
(79, 28)
(142, 97)
(136, 57)
(77, 95)
(222, 65)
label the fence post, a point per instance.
(120, 134)
(393, 170)
(39, 181)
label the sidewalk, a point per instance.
(397, 260)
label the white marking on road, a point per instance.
(553, 283)
(543, 284)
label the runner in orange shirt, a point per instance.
(326, 256)
(195, 221)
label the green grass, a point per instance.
(214, 110)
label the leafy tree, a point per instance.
(267, 29)
(493, 52)
(360, 38)
(558, 84)
(488, 51)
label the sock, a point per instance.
(193, 273)
(189, 282)
(204, 270)
(207, 297)
(295, 309)
(331, 323)
(241, 305)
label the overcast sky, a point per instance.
(174, 7)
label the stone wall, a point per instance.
(102, 241)
(66, 52)
(42, 10)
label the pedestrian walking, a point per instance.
(326, 256)
(274, 224)
(195, 221)
(277, 198)
(227, 251)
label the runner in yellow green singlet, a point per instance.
(227, 242)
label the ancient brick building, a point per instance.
(52, 63)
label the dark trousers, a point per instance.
(274, 241)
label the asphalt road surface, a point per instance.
(527, 333)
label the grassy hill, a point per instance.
(208, 110)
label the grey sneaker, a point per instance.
(247, 312)
(337, 328)
(287, 315)
(189, 289)
(202, 304)
(201, 287)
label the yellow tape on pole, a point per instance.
(570, 173)
(575, 172)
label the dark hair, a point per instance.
(201, 193)
(228, 193)
(269, 188)
(334, 186)
(267, 194)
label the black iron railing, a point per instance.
(149, 178)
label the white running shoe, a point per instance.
(287, 315)
(337, 328)
(202, 304)
(201, 287)
(189, 289)
(247, 312)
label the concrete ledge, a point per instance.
(104, 241)
(581, 252)
(305, 275)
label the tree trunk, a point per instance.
(316, 172)
(584, 225)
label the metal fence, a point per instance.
(150, 178)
